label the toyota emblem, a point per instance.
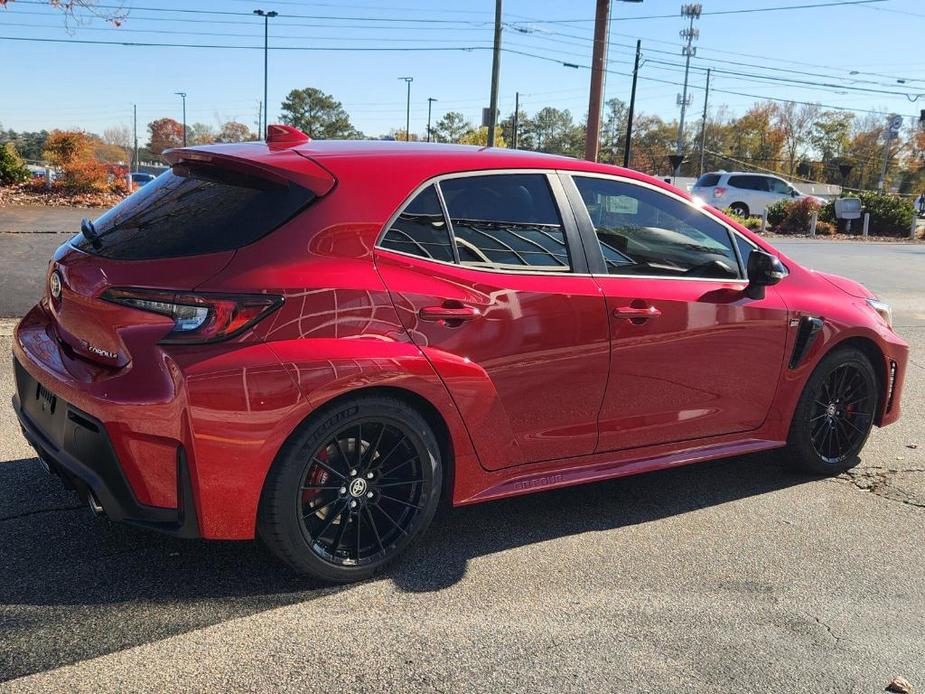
(54, 284)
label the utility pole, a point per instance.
(430, 103)
(182, 96)
(893, 125)
(495, 72)
(629, 115)
(693, 12)
(266, 54)
(135, 135)
(515, 121)
(408, 81)
(703, 124)
(598, 66)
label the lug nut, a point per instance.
(369, 495)
(353, 504)
(369, 475)
(353, 473)
(343, 490)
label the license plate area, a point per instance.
(47, 401)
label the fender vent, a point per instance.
(806, 335)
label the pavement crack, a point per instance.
(40, 511)
(876, 480)
(835, 637)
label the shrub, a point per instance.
(63, 147)
(12, 168)
(84, 177)
(753, 223)
(792, 216)
(890, 215)
(825, 228)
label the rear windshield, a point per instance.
(707, 181)
(191, 210)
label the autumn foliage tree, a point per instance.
(164, 133)
(72, 151)
(233, 131)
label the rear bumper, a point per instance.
(76, 447)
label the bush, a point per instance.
(890, 215)
(792, 216)
(753, 223)
(84, 177)
(12, 168)
(825, 228)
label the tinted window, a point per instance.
(645, 232)
(707, 181)
(192, 210)
(745, 249)
(778, 186)
(749, 182)
(421, 229)
(506, 221)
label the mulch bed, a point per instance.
(27, 194)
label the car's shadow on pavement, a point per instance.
(73, 587)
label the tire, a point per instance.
(835, 414)
(340, 504)
(739, 208)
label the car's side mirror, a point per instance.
(794, 193)
(764, 270)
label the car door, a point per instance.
(491, 282)
(692, 356)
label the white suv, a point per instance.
(744, 193)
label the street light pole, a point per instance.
(430, 103)
(408, 81)
(182, 96)
(266, 52)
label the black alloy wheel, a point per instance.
(354, 488)
(835, 413)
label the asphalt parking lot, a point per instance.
(735, 575)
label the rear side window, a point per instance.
(506, 221)
(749, 182)
(707, 181)
(421, 229)
(191, 210)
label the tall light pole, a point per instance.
(266, 52)
(182, 96)
(430, 103)
(495, 76)
(703, 123)
(408, 81)
(693, 11)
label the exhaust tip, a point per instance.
(95, 506)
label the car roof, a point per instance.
(431, 159)
(742, 173)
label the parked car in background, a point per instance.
(140, 179)
(745, 193)
(316, 342)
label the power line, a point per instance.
(148, 44)
(743, 10)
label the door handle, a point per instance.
(633, 313)
(450, 314)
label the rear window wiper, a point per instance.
(89, 232)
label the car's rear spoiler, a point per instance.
(251, 158)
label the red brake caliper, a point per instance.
(318, 477)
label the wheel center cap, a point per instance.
(831, 410)
(358, 487)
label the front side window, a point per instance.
(645, 232)
(421, 229)
(506, 221)
(779, 186)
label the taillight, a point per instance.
(198, 318)
(719, 192)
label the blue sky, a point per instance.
(66, 85)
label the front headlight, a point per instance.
(884, 309)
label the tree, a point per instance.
(12, 168)
(653, 140)
(65, 147)
(29, 145)
(507, 130)
(554, 131)
(613, 131)
(755, 139)
(795, 122)
(119, 135)
(201, 134)
(398, 134)
(76, 11)
(164, 134)
(232, 131)
(479, 136)
(451, 127)
(318, 115)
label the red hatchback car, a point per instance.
(315, 342)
